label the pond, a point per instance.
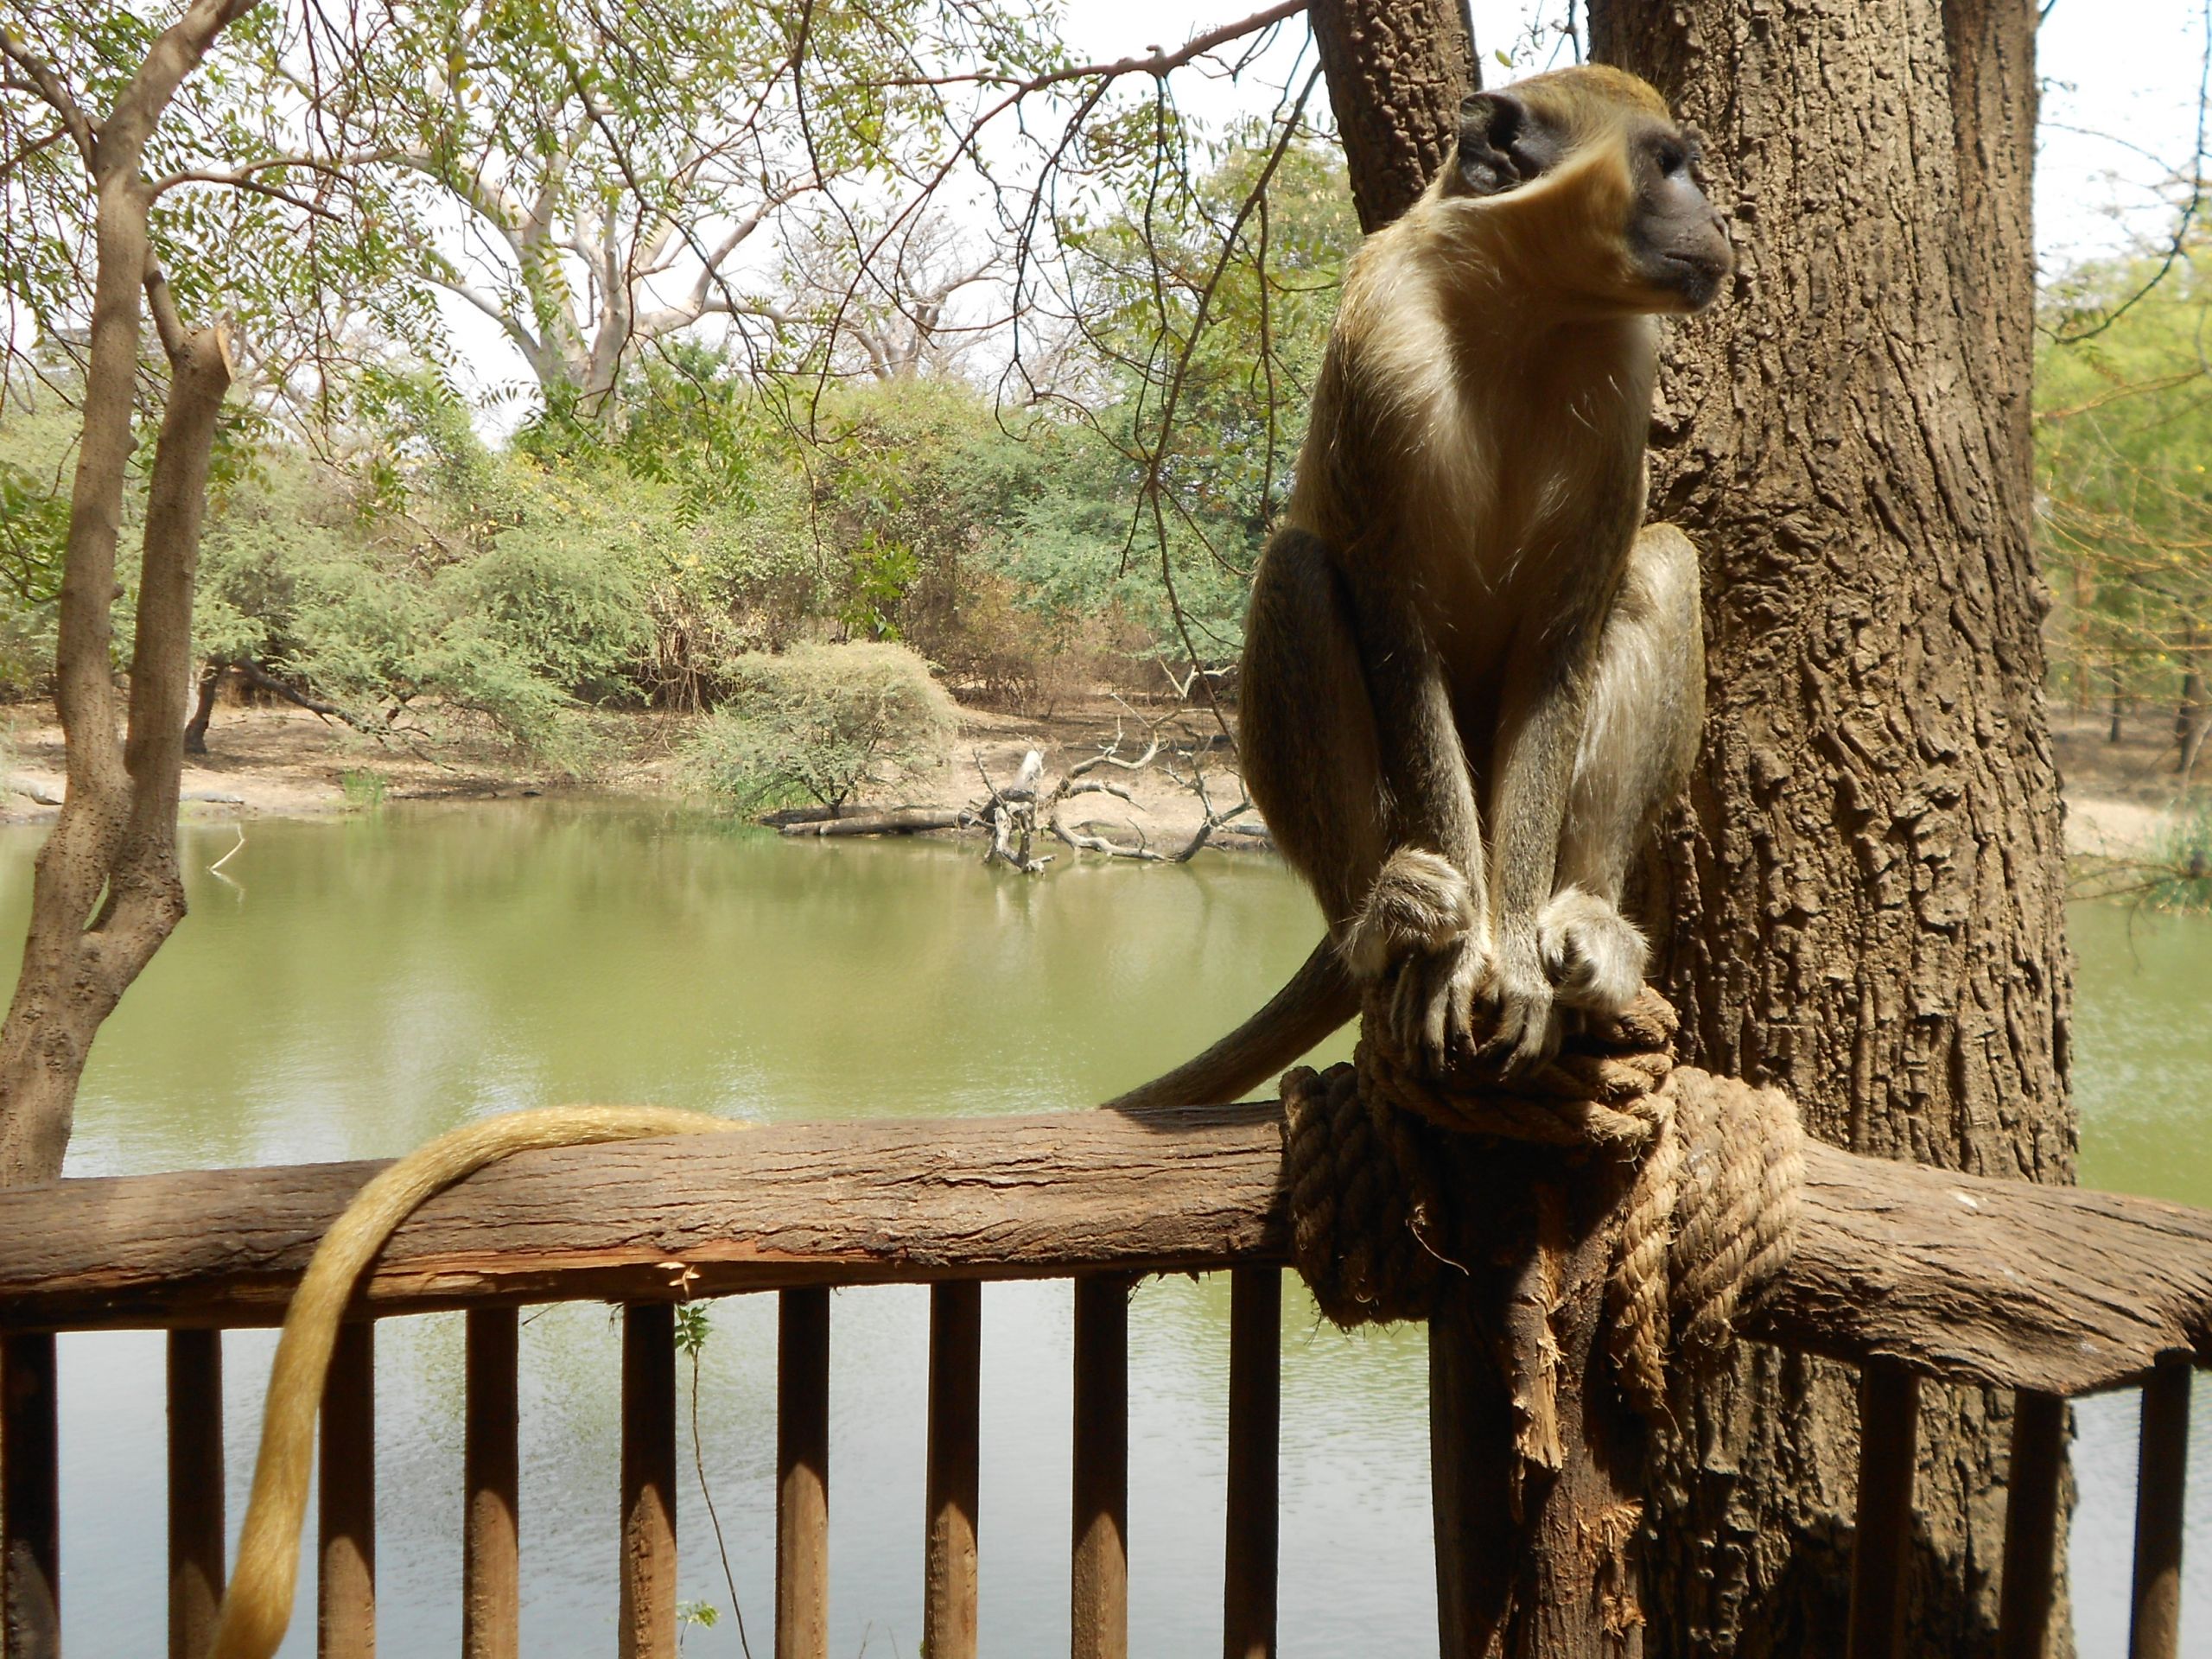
(348, 988)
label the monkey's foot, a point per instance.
(1419, 906)
(1593, 956)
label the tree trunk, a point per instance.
(203, 707)
(1397, 70)
(114, 845)
(1869, 884)
(2193, 709)
(105, 891)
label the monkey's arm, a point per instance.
(1540, 727)
(1426, 920)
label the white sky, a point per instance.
(2120, 107)
(2127, 69)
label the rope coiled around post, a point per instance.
(1708, 1218)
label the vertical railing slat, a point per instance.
(949, 1553)
(30, 1506)
(1255, 1426)
(2154, 1630)
(195, 1467)
(1099, 1577)
(490, 1534)
(803, 1475)
(2031, 1525)
(647, 1615)
(346, 1591)
(1889, 1432)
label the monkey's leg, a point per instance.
(1350, 749)
(1639, 738)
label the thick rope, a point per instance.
(1708, 1218)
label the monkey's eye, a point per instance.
(1673, 158)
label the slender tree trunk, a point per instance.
(2193, 708)
(106, 891)
(1869, 885)
(114, 845)
(203, 707)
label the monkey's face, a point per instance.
(1676, 245)
(1582, 184)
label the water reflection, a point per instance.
(369, 982)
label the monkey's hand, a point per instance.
(1417, 933)
(1529, 1019)
(1593, 956)
(1432, 1002)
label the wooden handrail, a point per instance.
(2049, 1288)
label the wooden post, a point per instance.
(2154, 1632)
(2030, 1525)
(346, 1591)
(1889, 1443)
(31, 1505)
(1537, 1486)
(948, 1550)
(647, 1628)
(1248, 1622)
(490, 1536)
(1099, 1573)
(803, 1476)
(195, 1411)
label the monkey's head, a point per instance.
(1593, 186)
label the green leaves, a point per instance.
(2124, 509)
(821, 724)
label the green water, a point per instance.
(359, 985)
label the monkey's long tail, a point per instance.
(257, 1606)
(1315, 1001)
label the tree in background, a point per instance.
(84, 101)
(2125, 502)
(599, 178)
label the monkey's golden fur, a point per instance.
(257, 1606)
(1468, 683)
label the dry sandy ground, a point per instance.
(287, 762)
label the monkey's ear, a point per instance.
(1503, 143)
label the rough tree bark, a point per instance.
(107, 891)
(1868, 891)
(1396, 70)
(1868, 882)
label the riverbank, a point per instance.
(288, 763)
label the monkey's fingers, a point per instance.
(1527, 1035)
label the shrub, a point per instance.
(821, 721)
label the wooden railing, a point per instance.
(1911, 1273)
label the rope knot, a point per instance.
(1708, 1219)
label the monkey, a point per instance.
(1471, 682)
(258, 1604)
